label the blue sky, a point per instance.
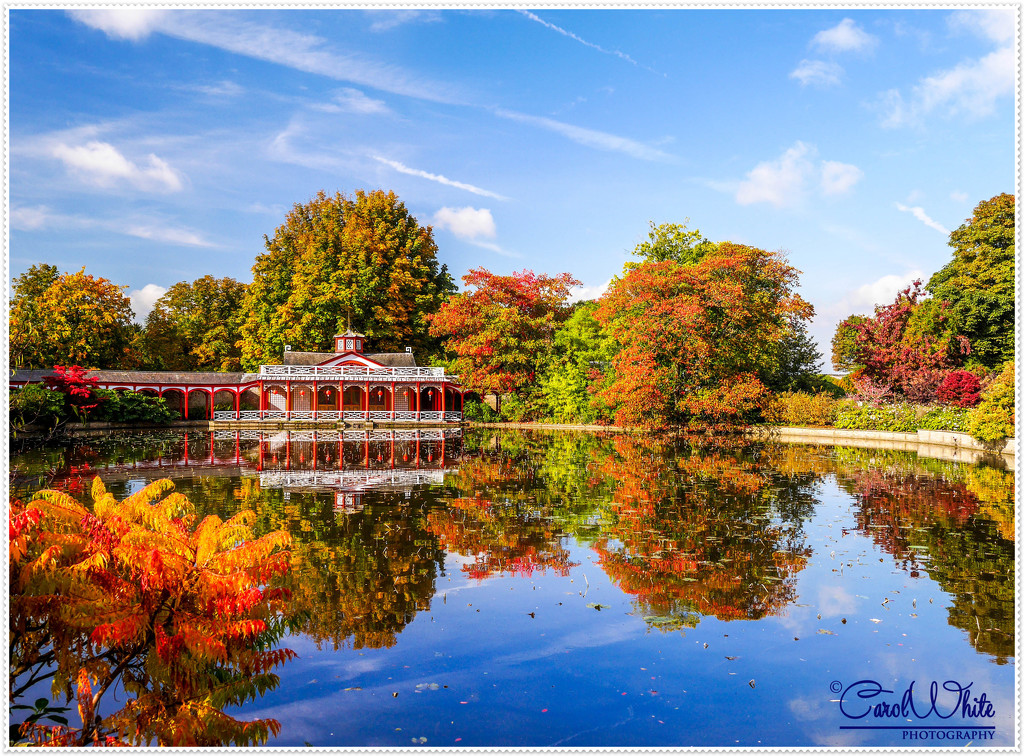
(158, 146)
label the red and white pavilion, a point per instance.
(346, 385)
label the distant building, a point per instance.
(345, 385)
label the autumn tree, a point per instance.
(844, 343)
(501, 328)
(196, 326)
(336, 260)
(675, 242)
(134, 595)
(975, 290)
(698, 342)
(69, 319)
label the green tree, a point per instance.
(196, 326)
(844, 344)
(675, 242)
(338, 258)
(581, 354)
(798, 361)
(69, 319)
(975, 289)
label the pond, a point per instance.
(560, 589)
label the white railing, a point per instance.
(348, 415)
(224, 415)
(300, 415)
(332, 436)
(431, 415)
(329, 415)
(428, 416)
(356, 479)
(452, 417)
(352, 371)
(249, 415)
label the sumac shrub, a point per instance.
(993, 419)
(800, 408)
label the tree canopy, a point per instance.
(336, 260)
(195, 326)
(699, 341)
(976, 288)
(501, 329)
(69, 319)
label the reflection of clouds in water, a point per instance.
(808, 709)
(835, 600)
(603, 636)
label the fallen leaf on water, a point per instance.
(751, 683)
(823, 631)
(876, 621)
(599, 607)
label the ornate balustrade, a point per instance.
(357, 416)
(354, 372)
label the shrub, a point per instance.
(36, 404)
(514, 408)
(945, 419)
(800, 408)
(993, 420)
(896, 418)
(131, 407)
(477, 411)
(960, 388)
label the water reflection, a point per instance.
(688, 532)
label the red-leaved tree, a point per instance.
(501, 328)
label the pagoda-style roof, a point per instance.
(387, 359)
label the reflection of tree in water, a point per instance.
(694, 532)
(955, 527)
(500, 523)
(358, 578)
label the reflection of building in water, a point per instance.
(351, 462)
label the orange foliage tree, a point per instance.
(501, 331)
(699, 341)
(133, 596)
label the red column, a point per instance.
(288, 399)
(393, 397)
(417, 416)
(366, 403)
(442, 404)
(316, 399)
(186, 403)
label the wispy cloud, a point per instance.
(862, 300)
(785, 181)
(232, 32)
(996, 24)
(577, 38)
(845, 36)
(588, 137)
(102, 164)
(386, 20)
(921, 215)
(41, 218)
(818, 73)
(402, 168)
(350, 100)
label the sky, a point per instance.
(157, 146)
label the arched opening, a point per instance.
(249, 399)
(452, 400)
(380, 399)
(149, 392)
(430, 398)
(198, 404)
(175, 399)
(327, 399)
(352, 399)
(276, 399)
(405, 399)
(224, 400)
(302, 398)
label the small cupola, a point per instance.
(350, 341)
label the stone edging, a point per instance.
(921, 438)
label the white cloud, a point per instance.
(996, 24)
(959, 196)
(588, 137)
(583, 293)
(402, 168)
(101, 163)
(143, 300)
(784, 182)
(817, 72)
(231, 31)
(921, 215)
(779, 182)
(862, 300)
(385, 20)
(354, 101)
(972, 88)
(30, 218)
(170, 235)
(467, 222)
(845, 36)
(839, 178)
(123, 23)
(224, 88)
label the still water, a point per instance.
(501, 588)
